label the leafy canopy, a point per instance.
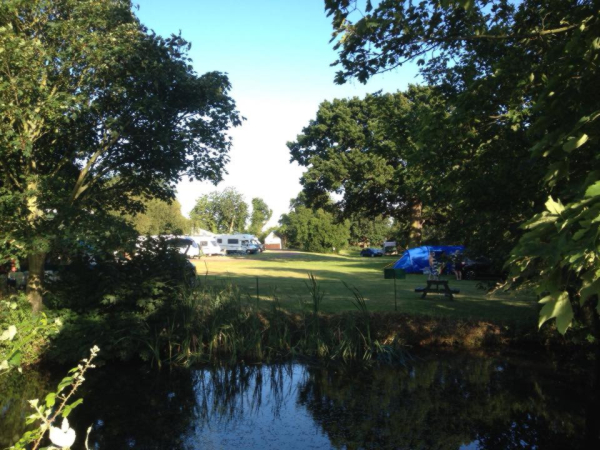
(159, 218)
(313, 230)
(409, 157)
(531, 67)
(93, 107)
(220, 212)
(261, 213)
(96, 114)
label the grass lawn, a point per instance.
(285, 274)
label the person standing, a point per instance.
(457, 265)
(434, 267)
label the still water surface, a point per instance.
(454, 401)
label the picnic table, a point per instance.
(437, 283)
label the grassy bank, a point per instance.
(284, 274)
(344, 312)
(210, 324)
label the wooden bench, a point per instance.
(430, 287)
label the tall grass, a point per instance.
(207, 323)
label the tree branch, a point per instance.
(505, 37)
(86, 170)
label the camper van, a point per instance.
(238, 243)
(208, 245)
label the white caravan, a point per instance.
(238, 243)
(208, 245)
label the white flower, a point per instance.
(64, 436)
(9, 334)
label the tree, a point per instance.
(160, 217)
(220, 212)
(313, 230)
(370, 231)
(530, 66)
(260, 216)
(405, 156)
(96, 113)
(358, 149)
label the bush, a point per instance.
(117, 304)
(140, 283)
(23, 337)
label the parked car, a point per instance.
(259, 245)
(478, 267)
(371, 252)
(186, 246)
(253, 249)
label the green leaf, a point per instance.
(539, 220)
(554, 207)
(50, 399)
(467, 4)
(557, 305)
(593, 190)
(575, 142)
(15, 359)
(64, 383)
(579, 234)
(589, 290)
(70, 407)
(576, 257)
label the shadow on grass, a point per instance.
(298, 256)
(379, 296)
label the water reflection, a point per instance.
(15, 390)
(442, 402)
(449, 403)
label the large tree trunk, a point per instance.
(231, 224)
(36, 260)
(416, 224)
(35, 284)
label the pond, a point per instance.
(448, 401)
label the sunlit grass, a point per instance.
(285, 274)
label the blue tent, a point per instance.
(414, 260)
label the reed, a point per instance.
(205, 324)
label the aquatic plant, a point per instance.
(205, 324)
(56, 404)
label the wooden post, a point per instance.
(257, 293)
(395, 295)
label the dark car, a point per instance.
(371, 252)
(480, 267)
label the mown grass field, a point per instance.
(284, 275)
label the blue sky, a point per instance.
(277, 55)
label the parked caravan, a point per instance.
(238, 243)
(208, 245)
